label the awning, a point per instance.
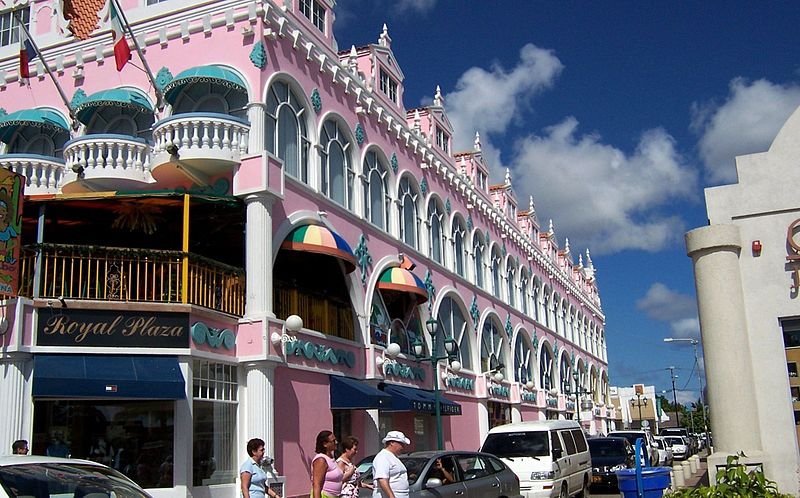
(348, 394)
(127, 98)
(419, 400)
(402, 280)
(320, 240)
(217, 75)
(107, 376)
(40, 118)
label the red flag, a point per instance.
(122, 52)
(27, 52)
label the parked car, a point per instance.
(609, 454)
(551, 457)
(649, 442)
(40, 476)
(454, 474)
(680, 447)
(665, 456)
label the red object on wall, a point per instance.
(756, 248)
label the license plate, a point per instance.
(597, 479)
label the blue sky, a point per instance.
(614, 116)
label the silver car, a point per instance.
(39, 476)
(456, 474)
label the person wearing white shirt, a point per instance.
(390, 475)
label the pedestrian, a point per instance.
(391, 476)
(350, 487)
(19, 447)
(254, 479)
(326, 476)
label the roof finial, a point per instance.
(437, 99)
(384, 40)
(550, 229)
(566, 245)
(589, 263)
(580, 260)
(477, 141)
(416, 121)
(508, 177)
(352, 62)
(530, 204)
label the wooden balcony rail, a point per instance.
(134, 275)
(321, 313)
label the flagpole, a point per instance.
(159, 95)
(49, 72)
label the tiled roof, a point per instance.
(82, 16)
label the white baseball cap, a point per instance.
(396, 436)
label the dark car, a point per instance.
(609, 454)
(454, 474)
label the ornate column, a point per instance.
(715, 253)
(258, 250)
(259, 403)
(256, 114)
(15, 414)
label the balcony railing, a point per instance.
(43, 174)
(321, 313)
(202, 132)
(132, 275)
(107, 156)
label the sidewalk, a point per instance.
(699, 478)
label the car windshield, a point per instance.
(66, 480)
(414, 467)
(601, 448)
(630, 436)
(675, 440)
(518, 444)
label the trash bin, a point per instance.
(654, 481)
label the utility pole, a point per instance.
(674, 396)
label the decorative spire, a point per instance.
(580, 260)
(508, 177)
(477, 141)
(384, 40)
(566, 245)
(437, 99)
(589, 263)
(352, 62)
(550, 229)
(531, 210)
(416, 121)
(463, 166)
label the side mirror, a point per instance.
(557, 453)
(433, 482)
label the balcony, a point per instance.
(197, 145)
(106, 162)
(43, 174)
(132, 275)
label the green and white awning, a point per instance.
(217, 75)
(127, 98)
(48, 119)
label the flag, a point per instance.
(27, 52)
(122, 52)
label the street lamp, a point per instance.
(639, 402)
(586, 403)
(450, 353)
(694, 343)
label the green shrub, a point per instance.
(735, 482)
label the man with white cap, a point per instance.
(391, 477)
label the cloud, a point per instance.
(487, 101)
(601, 197)
(420, 6)
(745, 122)
(679, 310)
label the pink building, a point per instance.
(173, 224)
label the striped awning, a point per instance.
(321, 240)
(127, 98)
(211, 73)
(402, 280)
(48, 119)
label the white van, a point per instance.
(550, 457)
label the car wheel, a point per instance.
(564, 492)
(584, 493)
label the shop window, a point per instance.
(134, 437)
(215, 386)
(342, 425)
(791, 333)
(499, 413)
(792, 367)
(795, 394)
(395, 318)
(796, 417)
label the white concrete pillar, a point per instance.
(715, 253)
(372, 436)
(256, 114)
(686, 468)
(16, 407)
(260, 414)
(693, 464)
(677, 476)
(258, 256)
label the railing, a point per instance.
(321, 313)
(108, 155)
(205, 131)
(135, 275)
(43, 174)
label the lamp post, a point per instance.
(578, 392)
(450, 350)
(694, 343)
(639, 402)
(674, 396)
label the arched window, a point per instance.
(493, 343)
(408, 213)
(376, 194)
(523, 363)
(286, 133)
(477, 258)
(546, 304)
(546, 369)
(435, 232)
(564, 371)
(523, 291)
(453, 324)
(537, 291)
(336, 168)
(395, 318)
(459, 248)
(511, 273)
(496, 273)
